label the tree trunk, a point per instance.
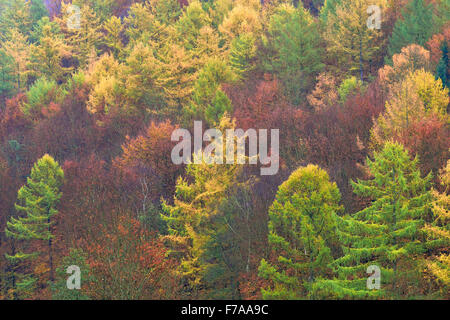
(50, 255)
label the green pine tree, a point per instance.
(38, 200)
(242, 52)
(387, 233)
(293, 50)
(302, 233)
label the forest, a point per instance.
(93, 207)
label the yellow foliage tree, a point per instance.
(19, 50)
(439, 234)
(350, 42)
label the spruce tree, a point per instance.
(293, 50)
(388, 233)
(442, 69)
(38, 200)
(302, 233)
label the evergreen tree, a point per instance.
(443, 68)
(38, 200)
(415, 26)
(387, 233)
(302, 233)
(294, 53)
(209, 102)
(47, 57)
(242, 52)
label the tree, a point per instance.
(294, 52)
(197, 222)
(148, 158)
(38, 200)
(411, 58)
(242, 54)
(47, 58)
(325, 92)
(419, 95)
(302, 226)
(387, 233)
(19, 51)
(443, 68)
(209, 102)
(113, 38)
(15, 15)
(60, 291)
(350, 41)
(129, 263)
(416, 26)
(83, 39)
(7, 81)
(438, 233)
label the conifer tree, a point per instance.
(84, 38)
(19, 51)
(209, 102)
(302, 233)
(294, 54)
(47, 57)
(15, 16)
(443, 67)
(112, 39)
(415, 26)
(438, 233)
(242, 52)
(38, 200)
(387, 233)
(197, 222)
(351, 43)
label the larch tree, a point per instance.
(438, 233)
(47, 56)
(242, 55)
(113, 38)
(197, 221)
(18, 49)
(418, 96)
(350, 40)
(84, 37)
(16, 15)
(386, 234)
(302, 233)
(38, 199)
